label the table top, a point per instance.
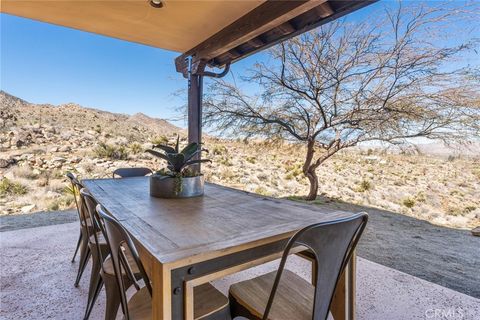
(224, 220)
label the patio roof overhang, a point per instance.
(206, 32)
(214, 33)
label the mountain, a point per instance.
(70, 115)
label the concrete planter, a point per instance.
(168, 187)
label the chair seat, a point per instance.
(207, 300)
(293, 299)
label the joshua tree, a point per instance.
(347, 83)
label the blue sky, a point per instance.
(43, 63)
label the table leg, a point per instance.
(162, 293)
(161, 285)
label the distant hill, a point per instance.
(71, 115)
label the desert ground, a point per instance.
(40, 143)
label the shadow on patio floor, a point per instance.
(445, 256)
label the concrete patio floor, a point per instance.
(37, 283)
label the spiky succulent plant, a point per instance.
(178, 162)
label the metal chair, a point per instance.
(139, 306)
(285, 295)
(131, 172)
(85, 225)
(102, 268)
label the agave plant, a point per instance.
(178, 162)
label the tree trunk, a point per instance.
(313, 179)
(309, 171)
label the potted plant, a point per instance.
(178, 179)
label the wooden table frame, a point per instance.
(174, 273)
(179, 304)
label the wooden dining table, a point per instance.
(184, 243)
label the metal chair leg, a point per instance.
(84, 256)
(91, 300)
(95, 277)
(78, 246)
(95, 274)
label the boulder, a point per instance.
(5, 163)
(59, 159)
(27, 208)
(476, 231)
(23, 139)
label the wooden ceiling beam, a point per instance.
(263, 18)
(292, 25)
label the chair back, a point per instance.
(119, 240)
(332, 244)
(131, 172)
(89, 204)
(76, 187)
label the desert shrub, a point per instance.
(289, 176)
(262, 191)
(476, 173)
(135, 147)
(61, 203)
(225, 161)
(452, 158)
(262, 177)
(364, 185)
(295, 170)
(457, 193)
(251, 159)
(421, 197)
(25, 172)
(53, 206)
(408, 202)
(111, 152)
(57, 186)
(218, 150)
(57, 174)
(469, 209)
(8, 187)
(226, 174)
(454, 211)
(89, 168)
(70, 190)
(160, 140)
(38, 151)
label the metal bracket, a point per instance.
(189, 66)
(222, 74)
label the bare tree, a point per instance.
(347, 83)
